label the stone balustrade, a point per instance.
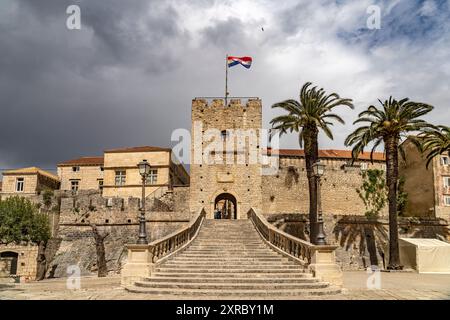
(142, 258)
(318, 259)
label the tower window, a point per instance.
(445, 160)
(224, 134)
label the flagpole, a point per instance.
(226, 79)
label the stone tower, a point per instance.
(224, 172)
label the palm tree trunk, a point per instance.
(391, 144)
(311, 156)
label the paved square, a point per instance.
(394, 286)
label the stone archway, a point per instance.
(227, 204)
(8, 262)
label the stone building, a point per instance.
(28, 182)
(121, 173)
(244, 185)
(428, 188)
(84, 173)
(214, 180)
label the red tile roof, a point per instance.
(138, 149)
(83, 161)
(330, 153)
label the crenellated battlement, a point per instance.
(233, 102)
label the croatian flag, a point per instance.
(245, 61)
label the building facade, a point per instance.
(428, 188)
(28, 182)
(84, 173)
(121, 173)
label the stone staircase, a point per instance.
(229, 259)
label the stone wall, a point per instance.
(287, 191)
(117, 218)
(88, 176)
(362, 242)
(26, 259)
(210, 179)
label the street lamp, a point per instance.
(144, 171)
(319, 169)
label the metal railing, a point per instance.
(173, 242)
(297, 248)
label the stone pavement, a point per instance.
(393, 286)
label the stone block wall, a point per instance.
(26, 259)
(209, 180)
(287, 191)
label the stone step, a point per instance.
(230, 265)
(246, 270)
(223, 259)
(223, 255)
(231, 280)
(220, 267)
(231, 286)
(231, 249)
(262, 275)
(274, 294)
(220, 247)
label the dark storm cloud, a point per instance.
(61, 90)
(128, 76)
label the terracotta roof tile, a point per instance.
(31, 170)
(330, 153)
(83, 161)
(137, 149)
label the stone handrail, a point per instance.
(299, 249)
(159, 192)
(169, 244)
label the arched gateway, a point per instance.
(227, 205)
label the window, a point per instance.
(100, 184)
(19, 184)
(76, 169)
(120, 178)
(74, 185)
(152, 177)
(445, 160)
(224, 134)
(447, 182)
(102, 169)
(447, 200)
(364, 165)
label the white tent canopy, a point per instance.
(425, 255)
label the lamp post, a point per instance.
(144, 170)
(318, 170)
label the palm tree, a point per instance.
(306, 117)
(435, 141)
(389, 125)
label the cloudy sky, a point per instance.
(128, 76)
